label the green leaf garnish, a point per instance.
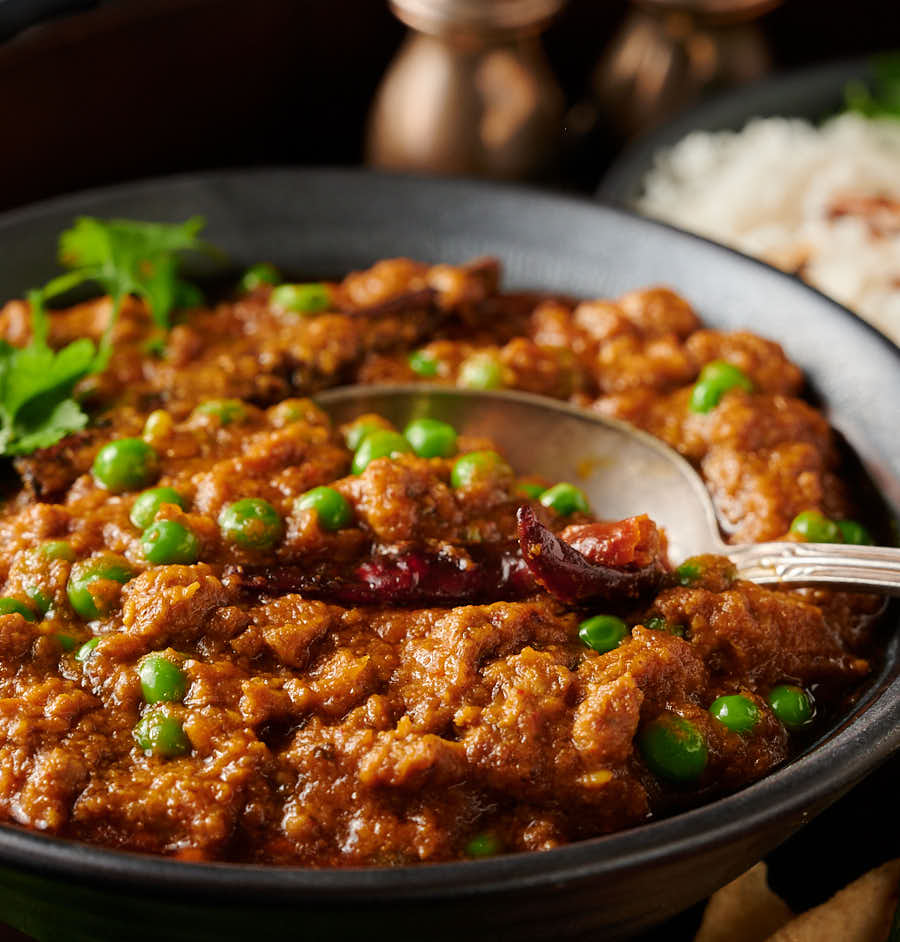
(882, 100)
(36, 383)
(121, 257)
(126, 257)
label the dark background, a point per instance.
(129, 88)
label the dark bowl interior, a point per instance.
(324, 222)
(814, 93)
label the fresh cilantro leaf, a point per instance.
(126, 257)
(47, 428)
(122, 257)
(120, 246)
(36, 383)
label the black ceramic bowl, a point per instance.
(325, 222)
(815, 94)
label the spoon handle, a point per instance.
(857, 568)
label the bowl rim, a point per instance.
(791, 794)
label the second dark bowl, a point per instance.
(815, 94)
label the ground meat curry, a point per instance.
(231, 631)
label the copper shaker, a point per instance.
(470, 91)
(668, 53)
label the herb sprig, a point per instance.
(126, 257)
(36, 383)
(883, 99)
(122, 257)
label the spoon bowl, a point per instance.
(624, 472)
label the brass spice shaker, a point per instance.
(470, 91)
(668, 53)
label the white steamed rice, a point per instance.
(769, 190)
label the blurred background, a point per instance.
(101, 92)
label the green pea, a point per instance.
(58, 549)
(262, 273)
(125, 465)
(86, 650)
(145, 508)
(302, 299)
(9, 606)
(484, 845)
(330, 506)
(565, 499)
(161, 680)
(431, 438)
(715, 380)
(39, 598)
(815, 527)
(481, 371)
(379, 444)
(689, 572)
(106, 567)
(530, 490)
(423, 363)
(673, 748)
(475, 466)
(251, 523)
(66, 642)
(792, 705)
(225, 411)
(293, 410)
(602, 632)
(737, 713)
(159, 734)
(170, 543)
(355, 434)
(158, 426)
(854, 533)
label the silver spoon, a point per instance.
(624, 472)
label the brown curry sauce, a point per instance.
(329, 734)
